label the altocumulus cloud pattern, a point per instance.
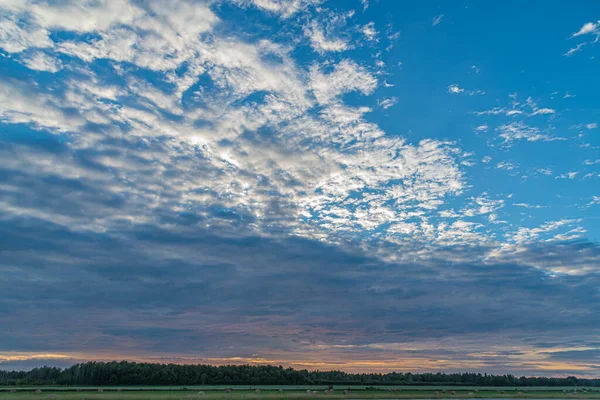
(321, 184)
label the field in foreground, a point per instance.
(295, 393)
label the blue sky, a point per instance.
(364, 185)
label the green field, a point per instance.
(294, 392)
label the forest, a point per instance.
(131, 373)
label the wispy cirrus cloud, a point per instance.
(515, 131)
(588, 29)
(455, 89)
(437, 20)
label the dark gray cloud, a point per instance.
(174, 285)
(181, 287)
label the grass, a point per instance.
(296, 393)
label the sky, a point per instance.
(360, 185)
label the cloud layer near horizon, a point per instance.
(176, 186)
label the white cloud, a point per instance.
(369, 31)
(516, 108)
(543, 111)
(482, 205)
(481, 128)
(347, 76)
(528, 235)
(587, 28)
(20, 104)
(568, 175)
(15, 39)
(437, 19)
(575, 49)
(41, 61)
(535, 110)
(454, 88)
(589, 126)
(322, 44)
(266, 137)
(387, 103)
(544, 171)
(506, 165)
(284, 8)
(526, 205)
(595, 201)
(515, 131)
(168, 40)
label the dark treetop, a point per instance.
(130, 373)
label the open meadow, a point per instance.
(292, 393)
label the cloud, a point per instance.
(387, 103)
(590, 126)
(515, 131)
(525, 205)
(586, 29)
(181, 171)
(455, 89)
(544, 171)
(568, 175)
(517, 108)
(283, 8)
(525, 235)
(506, 165)
(346, 76)
(575, 49)
(437, 19)
(589, 28)
(370, 32)
(40, 61)
(543, 111)
(320, 43)
(481, 128)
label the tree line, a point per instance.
(130, 373)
